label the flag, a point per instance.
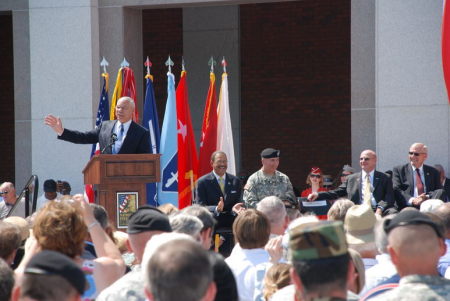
(446, 46)
(129, 89)
(116, 95)
(208, 139)
(224, 131)
(150, 122)
(187, 152)
(168, 188)
(102, 114)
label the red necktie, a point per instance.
(419, 183)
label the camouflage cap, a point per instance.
(317, 240)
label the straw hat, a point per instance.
(359, 224)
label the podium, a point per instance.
(120, 182)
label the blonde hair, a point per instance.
(277, 277)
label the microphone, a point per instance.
(112, 140)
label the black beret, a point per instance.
(54, 263)
(148, 218)
(411, 217)
(50, 186)
(270, 153)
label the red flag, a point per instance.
(187, 152)
(129, 89)
(446, 45)
(208, 140)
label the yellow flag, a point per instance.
(116, 95)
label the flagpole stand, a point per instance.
(120, 182)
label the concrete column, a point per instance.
(362, 77)
(411, 101)
(121, 36)
(22, 98)
(212, 31)
(64, 60)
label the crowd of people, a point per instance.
(385, 237)
(373, 236)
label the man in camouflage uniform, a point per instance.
(321, 262)
(268, 181)
(415, 244)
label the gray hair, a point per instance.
(273, 207)
(188, 224)
(202, 213)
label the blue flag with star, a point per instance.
(150, 122)
(168, 187)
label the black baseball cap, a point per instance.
(54, 263)
(411, 217)
(148, 218)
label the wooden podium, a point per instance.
(120, 182)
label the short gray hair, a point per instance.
(188, 224)
(273, 207)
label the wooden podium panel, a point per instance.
(120, 182)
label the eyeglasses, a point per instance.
(345, 174)
(415, 154)
(364, 159)
(315, 176)
(4, 192)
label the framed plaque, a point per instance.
(127, 204)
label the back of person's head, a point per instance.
(168, 209)
(277, 277)
(101, 216)
(10, 240)
(21, 223)
(274, 209)
(251, 229)
(360, 273)
(59, 226)
(415, 243)
(180, 269)
(444, 213)
(142, 225)
(188, 224)
(359, 226)
(430, 205)
(203, 214)
(52, 276)
(319, 253)
(223, 278)
(339, 209)
(6, 280)
(381, 240)
(207, 220)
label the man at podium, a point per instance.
(121, 136)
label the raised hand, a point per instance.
(55, 123)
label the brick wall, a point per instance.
(162, 34)
(295, 85)
(7, 100)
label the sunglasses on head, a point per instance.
(315, 176)
(415, 154)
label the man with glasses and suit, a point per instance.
(416, 182)
(8, 192)
(369, 187)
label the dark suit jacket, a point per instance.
(382, 190)
(208, 194)
(403, 179)
(447, 188)
(137, 140)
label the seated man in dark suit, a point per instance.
(368, 186)
(444, 181)
(219, 191)
(416, 182)
(121, 136)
